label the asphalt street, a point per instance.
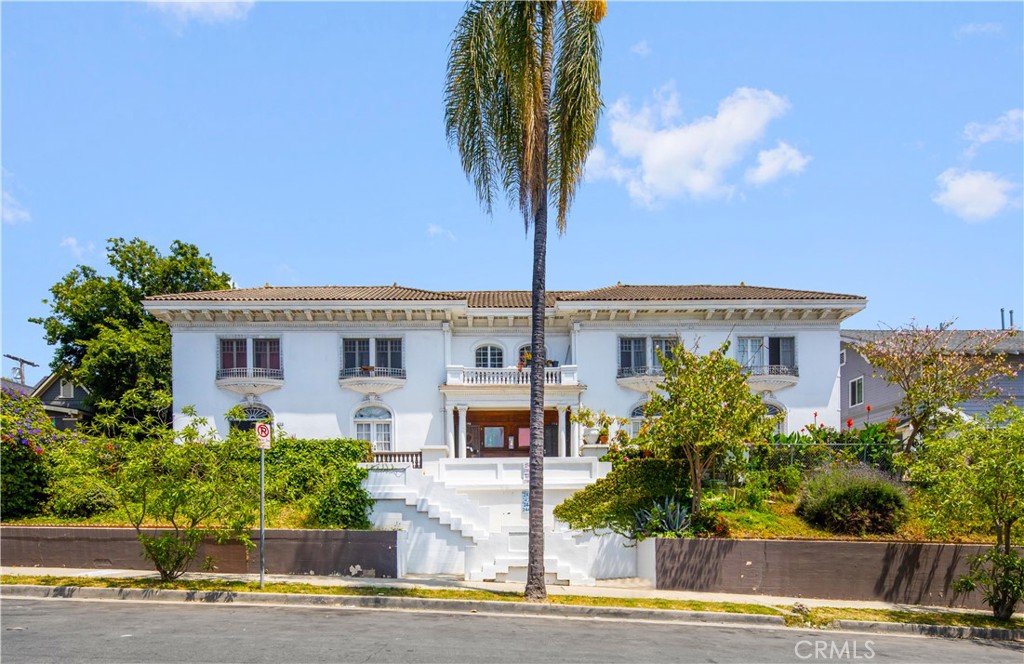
(63, 630)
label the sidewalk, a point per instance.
(621, 588)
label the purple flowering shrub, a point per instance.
(26, 434)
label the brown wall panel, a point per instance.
(900, 572)
(320, 552)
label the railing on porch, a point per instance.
(415, 458)
(458, 375)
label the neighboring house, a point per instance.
(15, 386)
(63, 401)
(863, 385)
(439, 379)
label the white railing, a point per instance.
(459, 375)
(250, 372)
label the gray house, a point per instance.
(63, 401)
(861, 388)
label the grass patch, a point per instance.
(214, 585)
(823, 616)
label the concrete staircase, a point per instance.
(485, 529)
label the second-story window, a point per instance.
(665, 345)
(490, 357)
(632, 354)
(67, 390)
(766, 352)
(233, 355)
(356, 353)
(389, 353)
(266, 355)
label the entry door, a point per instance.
(551, 440)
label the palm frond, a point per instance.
(470, 91)
(576, 101)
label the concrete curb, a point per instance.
(947, 631)
(384, 602)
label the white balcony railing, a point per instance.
(250, 380)
(250, 372)
(459, 375)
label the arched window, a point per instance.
(528, 348)
(490, 357)
(253, 413)
(636, 419)
(373, 423)
(774, 410)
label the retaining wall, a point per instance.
(320, 552)
(900, 572)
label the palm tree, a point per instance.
(522, 99)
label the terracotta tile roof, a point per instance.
(622, 292)
(499, 299)
(958, 339)
(505, 299)
(280, 293)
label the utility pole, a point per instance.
(20, 375)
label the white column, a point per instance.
(463, 411)
(449, 431)
(574, 342)
(561, 430)
(447, 330)
(574, 439)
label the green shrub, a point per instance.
(26, 436)
(78, 497)
(1001, 579)
(322, 476)
(613, 501)
(340, 501)
(854, 500)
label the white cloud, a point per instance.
(773, 164)
(641, 48)
(973, 195)
(971, 29)
(214, 11)
(1009, 127)
(77, 249)
(673, 157)
(433, 230)
(13, 212)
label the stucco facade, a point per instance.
(313, 393)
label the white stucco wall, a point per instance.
(817, 358)
(311, 403)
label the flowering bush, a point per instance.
(26, 433)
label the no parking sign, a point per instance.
(263, 431)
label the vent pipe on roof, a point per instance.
(1011, 319)
(1002, 318)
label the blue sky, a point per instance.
(870, 148)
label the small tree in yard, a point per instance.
(972, 474)
(706, 410)
(936, 368)
(186, 479)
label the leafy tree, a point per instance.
(522, 99)
(705, 410)
(197, 485)
(972, 474)
(936, 368)
(105, 340)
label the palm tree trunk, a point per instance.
(535, 587)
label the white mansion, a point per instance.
(436, 379)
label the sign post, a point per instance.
(263, 432)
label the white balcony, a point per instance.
(372, 380)
(771, 377)
(459, 375)
(250, 380)
(641, 379)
